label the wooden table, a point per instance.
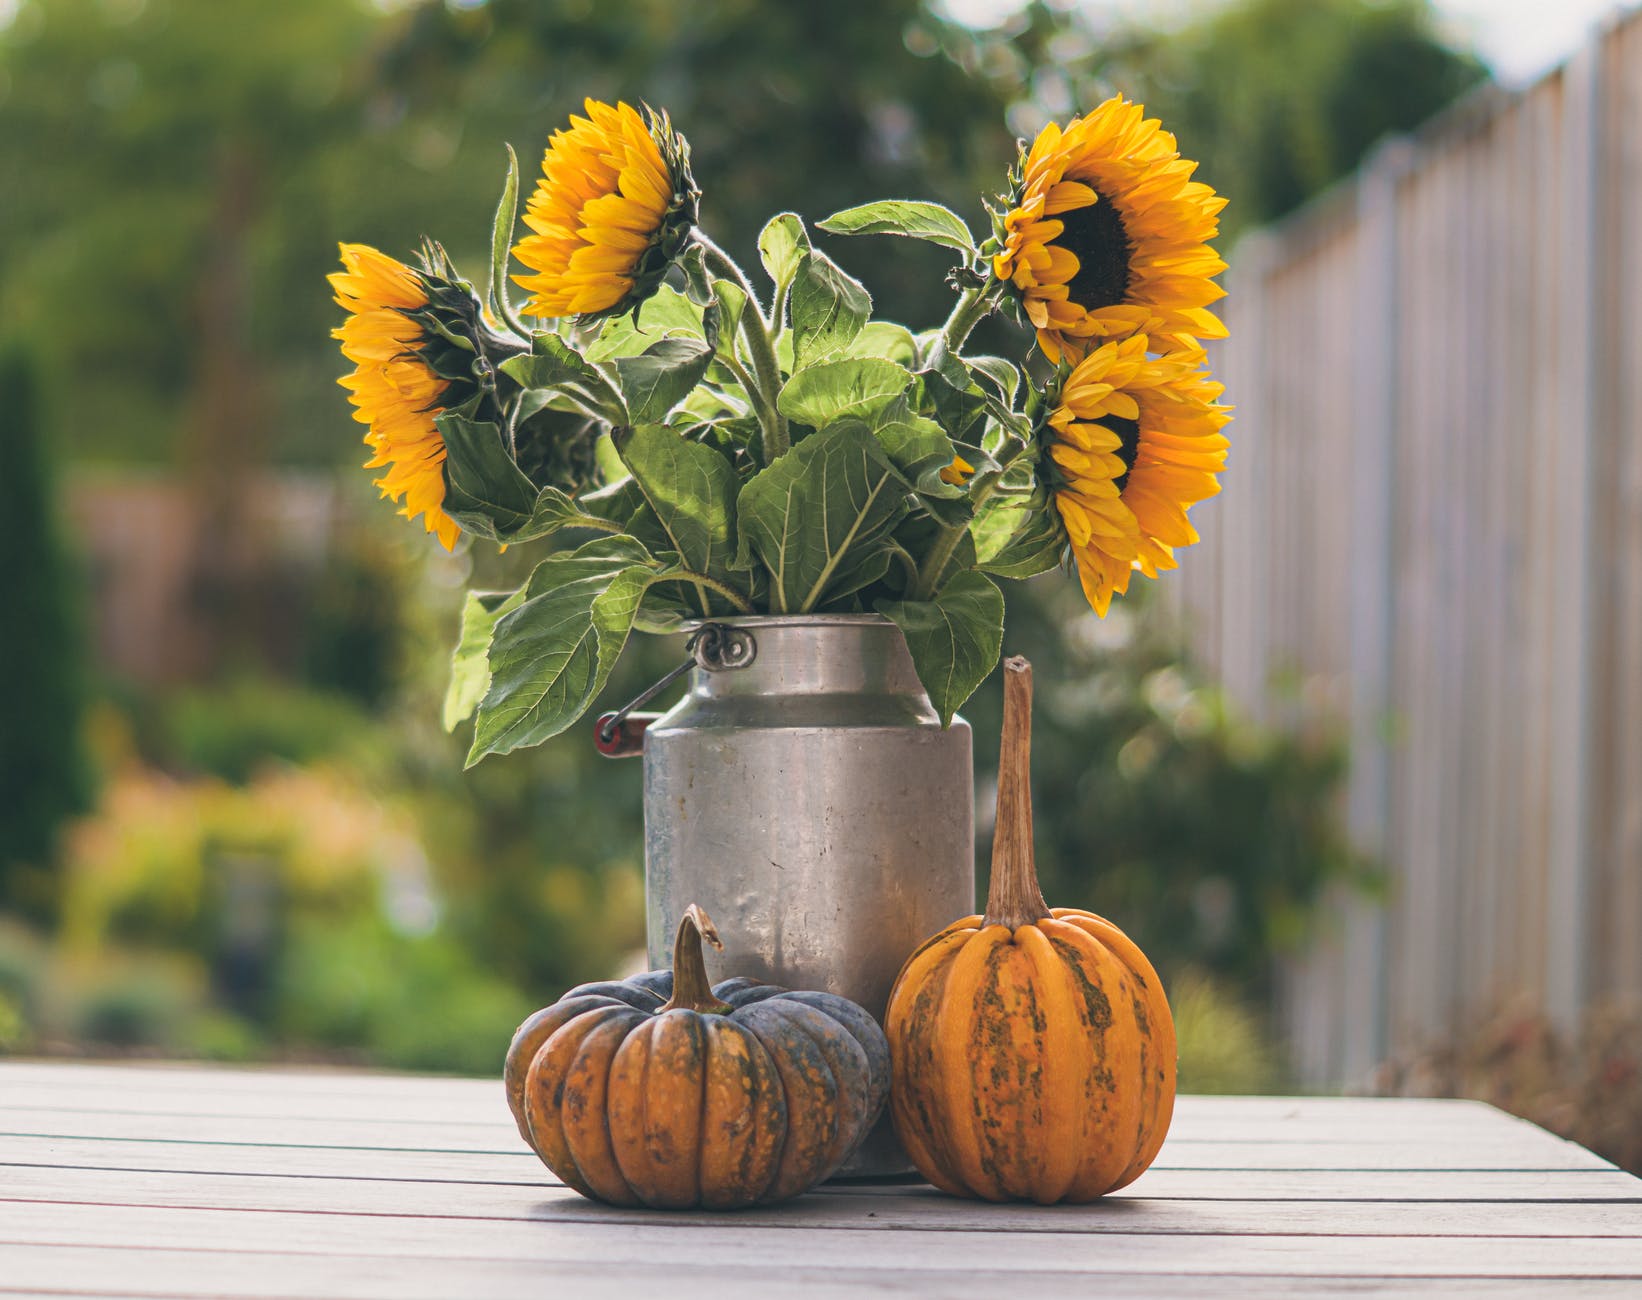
(133, 1180)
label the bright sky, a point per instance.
(1519, 39)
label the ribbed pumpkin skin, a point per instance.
(636, 1105)
(1038, 1065)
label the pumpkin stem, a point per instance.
(1014, 898)
(692, 991)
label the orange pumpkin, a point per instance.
(1033, 1049)
(662, 1091)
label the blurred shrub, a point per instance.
(1225, 1047)
(127, 1003)
(1209, 838)
(412, 1001)
(163, 860)
(231, 730)
(294, 914)
(22, 970)
(1586, 1087)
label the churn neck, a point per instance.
(816, 654)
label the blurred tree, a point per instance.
(1277, 99)
(43, 775)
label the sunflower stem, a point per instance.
(755, 330)
(971, 308)
(732, 363)
(932, 573)
(778, 309)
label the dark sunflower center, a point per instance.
(1129, 431)
(1095, 234)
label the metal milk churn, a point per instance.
(812, 804)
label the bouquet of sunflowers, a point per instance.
(726, 448)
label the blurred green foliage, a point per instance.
(42, 683)
(1225, 1046)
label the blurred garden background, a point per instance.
(230, 824)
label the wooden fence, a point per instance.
(1432, 534)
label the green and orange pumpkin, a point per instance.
(1033, 1049)
(665, 1092)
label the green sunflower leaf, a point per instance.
(662, 376)
(955, 639)
(917, 535)
(550, 656)
(857, 576)
(732, 301)
(817, 510)
(835, 390)
(782, 245)
(1004, 376)
(887, 340)
(911, 218)
(553, 363)
(920, 449)
(469, 664)
(485, 492)
(491, 497)
(620, 497)
(698, 281)
(1018, 537)
(665, 314)
(555, 510)
(692, 490)
(827, 307)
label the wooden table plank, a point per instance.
(1022, 1254)
(637, 1241)
(1534, 1150)
(78, 1270)
(457, 1169)
(142, 1180)
(911, 1209)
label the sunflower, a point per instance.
(613, 208)
(1134, 441)
(394, 390)
(1108, 235)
